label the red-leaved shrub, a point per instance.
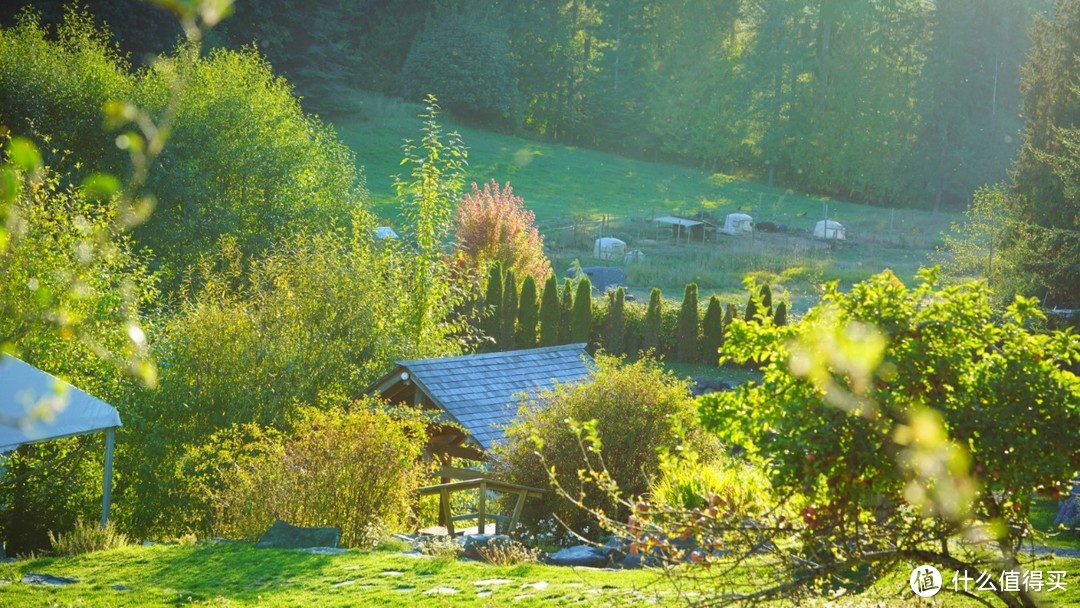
(492, 225)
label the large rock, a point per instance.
(32, 578)
(288, 536)
(474, 542)
(585, 555)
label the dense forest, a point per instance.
(899, 102)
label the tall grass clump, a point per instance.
(87, 537)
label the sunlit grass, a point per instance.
(234, 574)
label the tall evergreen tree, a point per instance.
(615, 322)
(508, 313)
(493, 298)
(766, 299)
(566, 312)
(780, 318)
(581, 319)
(712, 332)
(550, 313)
(968, 99)
(650, 335)
(528, 314)
(731, 312)
(751, 307)
(1050, 85)
(686, 348)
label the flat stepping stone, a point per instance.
(442, 591)
(539, 586)
(403, 589)
(483, 594)
(351, 568)
(344, 583)
(120, 588)
(492, 581)
(324, 550)
(391, 573)
(32, 578)
(518, 598)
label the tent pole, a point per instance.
(106, 495)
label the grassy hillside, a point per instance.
(570, 189)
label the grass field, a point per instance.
(234, 574)
(571, 189)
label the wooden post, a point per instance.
(480, 528)
(444, 503)
(517, 511)
(444, 500)
(106, 493)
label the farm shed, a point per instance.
(682, 228)
(36, 407)
(738, 223)
(830, 230)
(478, 393)
(609, 248)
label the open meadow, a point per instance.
(578, 194)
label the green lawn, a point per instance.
(569, 189)
(233, 574)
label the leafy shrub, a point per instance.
(317, 318)
(638, 408)
(904, 418)
(86, 537)
(687, 482)
(243, 160)
(55, 87)
(492, 225)
(357, 470)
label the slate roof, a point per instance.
(480, 391)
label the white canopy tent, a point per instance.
(36, 406)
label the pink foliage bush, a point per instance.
(492, 225)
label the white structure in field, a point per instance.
(738, 223)
(385, 232)
(609, 248)
(830, 230)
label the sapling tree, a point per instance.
(429, 194)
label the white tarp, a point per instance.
(738, 223)
(830, 230)
(35, 406)
(609, 248)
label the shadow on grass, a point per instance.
(234, 570)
